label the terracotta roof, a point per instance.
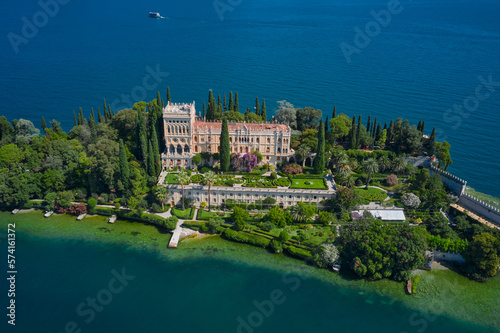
(202, 125)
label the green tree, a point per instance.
(236, 103)
(151, 169)
(169, 100)
(358, 133)
(334, 114)
(443, 154)
(370, 166)
(352, 134)
(339, 127)
(307, 118)
(225, 148)
(278, 217)
(239, 217)
(197, 159)
(431, 146)
(183, 178)
(156, 150)
(483, 254)
(319, 161)
(284, 236)
(257, 106)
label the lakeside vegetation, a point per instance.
(113, 160)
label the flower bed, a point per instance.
(256, 181)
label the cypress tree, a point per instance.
(352, 133)
(219, 102)
(257, 106)
(263, 114)
(432, 142)
(158, 99)
(156, 150)
(374, 128)
(203, 114)
(319, 161)
(334, 115)
(105, 110)
(81, 120)
(142, 139)
(99, 116)
(225, 104)
(422, 128)
(358, 133)
(211, 106)
(168, 95)
(247, 111)
(369, 123)
(231, 102)
(44, 124)
(378, 133)
(93, 115)
(93, 129)
(236, 102)
(326, 124)
(150, 165)
(385, 125)
(389, 134)
(225, 148)
(124, 167)
(74, 116)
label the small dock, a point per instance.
(48, 214)
(112, 219)
(15, 211)
(81, 217)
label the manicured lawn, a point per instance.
(371, 194)
(206, 215)
(315, 183)
(186, 214)
(172, 179)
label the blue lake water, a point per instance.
(426, 58)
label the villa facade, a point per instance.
(186, 135)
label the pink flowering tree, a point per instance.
(247, 161)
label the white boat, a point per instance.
(15, 211)
(336, 267)
(154, 15)
(81, 217)
(112, 219)
(49, 214)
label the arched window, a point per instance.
(171, 149)
(257, 140)
(246, 149)
(279, 150)
(179, 149)
(195, 138)
(186, 149)
(268, 140)
(230, 139)
(241, 149)
(195, 149)
(267, 150)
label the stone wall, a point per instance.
(448, 256)
(480, 207)
(455, 184)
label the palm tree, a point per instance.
(210, 179)
(296, 212)
(384, 162)
(398, 164)
(161, 193)
(183, 178)
(350, 182)
(353, 163)
(370, 166)
(339, 158)
(303, 150)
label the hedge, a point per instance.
(283, 182)
(242, 237)
(187, 214)
(296, 252)
(194, 225)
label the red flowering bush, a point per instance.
(292, 169)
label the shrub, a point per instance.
(112, 197)
(410, 200)
(103, 198)
(359, 182)
(204, 170)
(292, 169)
(197, 178)
(282, 182)
(245, 238)
(297, 252)
(392, 180)
(276, 246)
(274, 175)
(92, 203)
(267, 226)
(156, 208)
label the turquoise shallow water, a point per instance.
(191, 289)
(426, 60)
